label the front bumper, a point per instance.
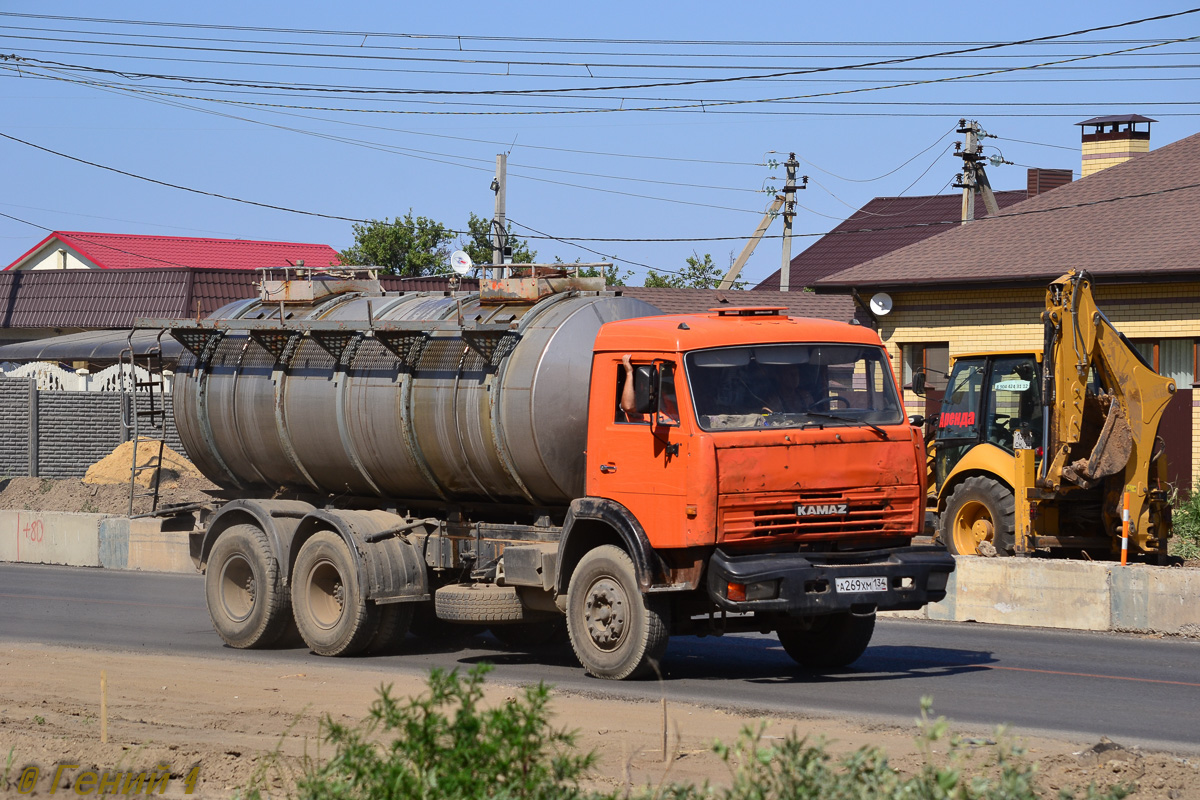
(806, 583)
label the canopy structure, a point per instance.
(90, 346)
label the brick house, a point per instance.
(981, 286)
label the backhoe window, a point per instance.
(959, 417)
(792, 386)
(1014, 401)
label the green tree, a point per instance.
(700, 273)
(477, 243)
(411, 246)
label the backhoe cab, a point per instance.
(1036, 452)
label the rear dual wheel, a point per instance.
(243, 588)
(331, 609)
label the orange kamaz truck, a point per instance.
(406, 462)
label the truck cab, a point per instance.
(770, 465)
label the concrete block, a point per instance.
(1130, 591)
(1045, 594)
(1173, 601)
(114, 542)
(49, 537)
(156, 550)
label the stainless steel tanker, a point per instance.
(544, 457)
(476, 402)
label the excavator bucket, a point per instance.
(1109, 456)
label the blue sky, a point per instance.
(154, 100)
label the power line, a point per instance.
(783, 73)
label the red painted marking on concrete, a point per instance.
(90, 600)
(1090, 675)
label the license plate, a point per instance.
(850, 585)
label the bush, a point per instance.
(444, 745)
(1185, 533)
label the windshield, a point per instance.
(792, 386)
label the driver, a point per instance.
(788, 395)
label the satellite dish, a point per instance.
(881, 304)
(460, 262)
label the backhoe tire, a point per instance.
(616, 631)
(243, 589)
(979, 518)
(832, 642)
(333, 614)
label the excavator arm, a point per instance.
(1103, 405)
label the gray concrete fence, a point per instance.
(59, 434)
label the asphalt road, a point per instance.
(1136, 690)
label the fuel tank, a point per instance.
(476, 402)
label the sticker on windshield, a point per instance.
(1012, 385)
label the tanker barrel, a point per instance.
(422, 396)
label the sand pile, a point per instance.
(115, 467)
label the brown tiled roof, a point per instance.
(881, 226)
(694, 301)
(89, 298)
(115, 298)
(1137, 220)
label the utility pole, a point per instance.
(499, 226)
(789, 211)
(785, 200)
(973, 177)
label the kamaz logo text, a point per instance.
(821, 510)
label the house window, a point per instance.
(1172, 358)
(934, 358)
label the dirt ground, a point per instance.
(227, 718)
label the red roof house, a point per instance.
(83, 250)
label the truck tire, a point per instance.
(837, 640)
(394, 622)
(979, 518)
(615, 630)
(243, 589)
(479, 602)
(331, 612)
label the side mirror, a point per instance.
(916, 420)
(918, 383)
(645, 384)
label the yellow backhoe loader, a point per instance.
(1054, 450)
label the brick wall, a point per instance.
(74, 429)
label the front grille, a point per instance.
(866, 512)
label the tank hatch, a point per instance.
(305, 285)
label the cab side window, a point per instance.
(620, 414)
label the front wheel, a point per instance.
(334, 617)
(979, 518)
(244, 591)
(616, 631)
(837, 640)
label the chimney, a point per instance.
(1108, 141)
(1039, 181)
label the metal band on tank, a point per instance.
(206, 431)
(406, 417)
(281, 427)
(499, 441)
(341, 400)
